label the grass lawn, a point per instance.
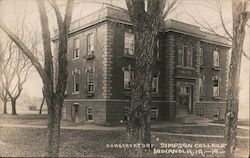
(24, 142)
(241, 122)
(207, 130)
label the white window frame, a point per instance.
(202, 57)
(201, 85)
(129, 43)
(158, 49)
(90, 44)
(216, 89)
(152, 111)
(89, 114)
(90, 83)
(180, 57)
(201, 111)
(156, 87)
(127, 78)
(216, 113)
(188, 56)
(76, 47)
(75, 91)
(125, 113)
(216, 58)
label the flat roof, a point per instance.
(120, 15)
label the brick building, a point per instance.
(190, 78)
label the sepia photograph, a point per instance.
(124, 78)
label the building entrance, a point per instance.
(185, 100)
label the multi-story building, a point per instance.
(190, 78)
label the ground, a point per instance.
(26, 137)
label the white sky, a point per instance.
(10, 10)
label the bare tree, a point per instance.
(147, 18)
(54, 96)
(3, 93)
(15, 69)
(240, 18)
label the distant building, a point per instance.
(190, 78)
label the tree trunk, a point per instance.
(13, 104)
(4, 107)
(53, 131)
(41, 106)
(147, 22)
(239, 23)
(140, 102)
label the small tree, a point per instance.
(54, 94)
(3, 93)
(14, 73)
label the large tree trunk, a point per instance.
(140, 103)
(53, 132)
(13, 105)
(147, 22)
(239, 23)
(4, 107)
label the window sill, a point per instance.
(202, 97)
(75, 58)
(129, 56)
(90, 56)
(89, 121)
(217, 98)
(75, 93)
(155, 94)
(185, 67)
(217, 68)
(89, 94)
(126, 92)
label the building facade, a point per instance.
(190, 78)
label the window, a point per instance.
(76, 46)
(89, 114)
(129, 43)
(216, 91)
(66, 89)
(90, 44)
(157, 55)
(200, 111)
(64, 113)
(183, 90)
(216, 59)
(125, 114)
(90, 80)
(155, 84)
(154, 113)
(188, 56)
(128, 76)
(76, 79)
(185, 55)
(202, 57)
(216, 113)
(180, 55)
(201, 85)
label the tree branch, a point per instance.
(24, 49)
(59, 18)
(223, 23)
(171, 7)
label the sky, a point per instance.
(203, 11)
